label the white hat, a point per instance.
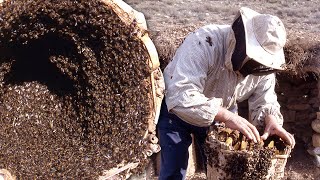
(265, 38)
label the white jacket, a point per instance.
(200, 78)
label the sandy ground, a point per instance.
(301, 19)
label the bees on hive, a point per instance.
(230, 152)
(74, 89)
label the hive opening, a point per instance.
(33, 62)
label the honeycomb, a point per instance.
(231, 156)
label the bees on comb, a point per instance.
(233, 156)
(79, 82)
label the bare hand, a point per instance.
(236, 122)
(273, 128)
(244, 126)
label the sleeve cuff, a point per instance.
(258, 116)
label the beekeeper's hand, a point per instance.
(233, 121)
(273, 128)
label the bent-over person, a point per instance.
(214, 68)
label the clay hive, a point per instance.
(78, 84)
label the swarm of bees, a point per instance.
(232, 156)
(74, 89)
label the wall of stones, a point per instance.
(299, 100)
(316, 131)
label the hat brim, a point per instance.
(253, 47)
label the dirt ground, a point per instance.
(301, 19)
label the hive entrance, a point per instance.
(34, 63)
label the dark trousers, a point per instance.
(175, 138)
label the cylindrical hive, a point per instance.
(242, 160)
(80, 89)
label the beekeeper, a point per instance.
(214, 68)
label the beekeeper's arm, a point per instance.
(185, 80)
(265, 110)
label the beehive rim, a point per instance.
(154, 63)
(221, 144)
(128, 15)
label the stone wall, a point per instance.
(299, 100)
(315, 151)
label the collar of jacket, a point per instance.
(230, 44)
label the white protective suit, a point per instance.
(200, 78)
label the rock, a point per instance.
(314, 100)
(302, 117)
(314, 151)
(316, 140)
(316, 160)
(314, 92)
(291, 116)
(298, 107)
(316, 125)
(298, 100)
(293, 93)
(288, 115)
(315, 105)
(312, 115)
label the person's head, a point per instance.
(260, 39)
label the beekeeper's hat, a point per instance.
(265, 38)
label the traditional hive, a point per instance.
(231, 156)
(79, 88)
